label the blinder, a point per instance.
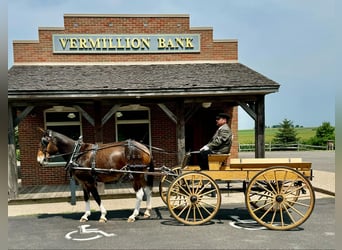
(44, 141)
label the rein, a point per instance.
(154, 149)
(76, 151)
(84, 152)
(57, 155)
(128, 144)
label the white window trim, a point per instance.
(57, 109)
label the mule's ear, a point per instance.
(41, 130)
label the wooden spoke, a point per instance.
(193, 198)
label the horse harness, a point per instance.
(127, 169)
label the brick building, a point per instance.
(151, 78)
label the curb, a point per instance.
(68, 198)
(321, 190)
(113, 196)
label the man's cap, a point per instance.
(223, 115)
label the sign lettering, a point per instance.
(104, 43)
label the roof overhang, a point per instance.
(146, 81)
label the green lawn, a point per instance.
(247, 136)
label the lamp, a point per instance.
(206, 105)
(71, 115)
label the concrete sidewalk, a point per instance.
(323, 184)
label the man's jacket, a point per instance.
(221, 141)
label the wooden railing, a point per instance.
(283, 147)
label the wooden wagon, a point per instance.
(278, 192)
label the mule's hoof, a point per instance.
(147, 214)
(102, 220)
(131, 219)
(83, 219)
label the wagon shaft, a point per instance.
(163, 170)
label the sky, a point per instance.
(292, 42)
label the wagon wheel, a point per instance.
(280, 198)
(166, 181)
(193, 198)
(262, 189)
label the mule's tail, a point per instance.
(150, 176)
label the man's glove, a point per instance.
(204, 148)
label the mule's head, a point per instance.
(47, 147)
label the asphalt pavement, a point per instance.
(232, 228)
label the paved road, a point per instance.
(232, 228)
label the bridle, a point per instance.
(44, 143)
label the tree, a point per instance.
(324, 133)
(286, 133)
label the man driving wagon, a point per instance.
(220, 143)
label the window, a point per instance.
(133, 122)
(64, 120)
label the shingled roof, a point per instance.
(155, 80)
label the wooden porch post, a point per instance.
(12, 162)
(180, 131)
(98, 129)
(260, 128)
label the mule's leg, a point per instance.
(84, 217)
(139, 196)
(148, 193)
(97, 198)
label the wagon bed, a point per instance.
(221, 167)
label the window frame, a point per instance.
(59, 109)
(134, 107)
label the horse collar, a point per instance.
(75, 154)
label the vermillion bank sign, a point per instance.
(104, 43)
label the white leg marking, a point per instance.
(84, 218)
(103, 214)
(148, 193)
(139, 196)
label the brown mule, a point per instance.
(123, 155)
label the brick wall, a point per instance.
(41, 50)
(163, 129)
(29, 138)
